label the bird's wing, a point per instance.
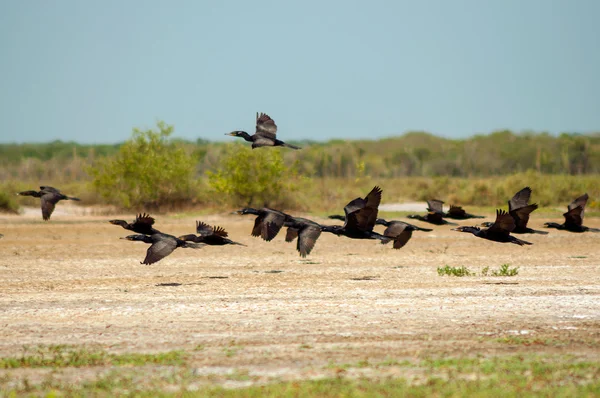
(143, 224)
(457, 211)
(395, 229)
(367, 216)
(49, 189)
(144, 218)
(307, 238)
(435, 205)
(159, 250)
(402, 239)
(204, 229)
(265, 126)
(350, 210)
(291, 234)
(271, 224)
(260, 140)
(520, 199)
(220, 231)
(521, 215)
(258, 222)
(504, 223)
(48, 202)
(574, 216)
(579, 202)
(435, 217)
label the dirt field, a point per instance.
(263, 308)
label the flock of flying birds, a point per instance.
(360, 217)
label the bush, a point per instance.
(8, 202)
(149, 172)
(252, 177)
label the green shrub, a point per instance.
(149, 172)
(249, 177)
(8, 202)
(454, 271)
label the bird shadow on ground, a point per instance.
(365, 278)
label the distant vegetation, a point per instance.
(482, 170)
(148, 172)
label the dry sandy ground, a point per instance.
(262, 307)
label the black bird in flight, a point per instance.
(435, 213)
(307, 232)
(520, 209)
(161, 245)
(400, 231)
(498, 232)
(360, 218)
(143, 224)
(268, 222)
(49, 197)
(210, 235)
(574, 217)
(265, 135)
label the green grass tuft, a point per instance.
(454, 271)
(63, 356)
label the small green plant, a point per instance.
(506, 270)
(454, 271)
(150, 171)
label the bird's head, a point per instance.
(186, 238)
(466, 229)
(246, 210)
(141, 238)
(334, 229)
(237, 133)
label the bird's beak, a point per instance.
(231, 134)
(454, 229)
(238, 212)
(126, 238)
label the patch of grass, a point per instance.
(504, 270)
(514, 376)
(454, 271)
(528, 341)
(62, 356)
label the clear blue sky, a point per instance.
(89, 71)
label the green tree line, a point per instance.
(411, 154)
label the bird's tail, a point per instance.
(593, 230)
(522, 242)
(423, 229)
(237, 243)
(291, 146)
(543, 232)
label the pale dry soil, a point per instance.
(265, 311)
